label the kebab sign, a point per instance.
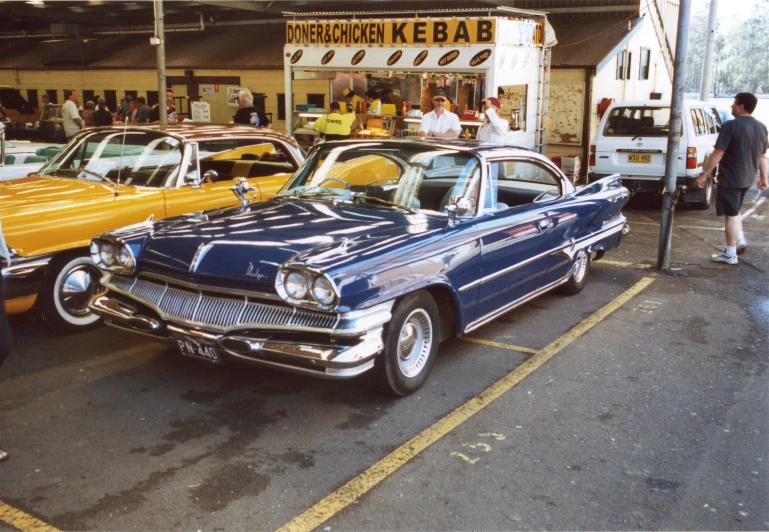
(397, 32)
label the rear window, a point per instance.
(638, 121)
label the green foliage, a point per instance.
(741, 58)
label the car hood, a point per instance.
(35, 189)
(248, 245)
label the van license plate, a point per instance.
(198, 349)
(639, 158)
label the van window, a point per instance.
(709, 121)
(717, 119)
(638, 121)
(699, 122)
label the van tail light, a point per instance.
(591, 161)
(691, 158)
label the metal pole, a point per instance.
(707, 66)
(161, 59)
(670, 194)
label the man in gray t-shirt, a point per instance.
(739, 153)
(142, 115)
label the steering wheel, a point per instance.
(345, 183)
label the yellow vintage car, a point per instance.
(111, 177)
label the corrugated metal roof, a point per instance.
(586, 42)
(240, 47)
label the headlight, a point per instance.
(125, 257)
(107, 254)
(296, 285)
(322, 291)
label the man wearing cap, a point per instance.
(493, 128)
(352, 100)
(439, 122)
(335, 125)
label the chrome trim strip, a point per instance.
(25, 268)
(510, 306)
(509, 269)
(575, 246)
(327, 373)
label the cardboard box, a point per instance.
(571, 166)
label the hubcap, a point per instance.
(579, 268)
(77, 288)
(414, 343)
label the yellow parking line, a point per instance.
(622, 264)
(358, 486)
(22, 521)
(497, 344)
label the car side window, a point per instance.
(247, 158)
(518, 182)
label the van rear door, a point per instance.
(633, 142)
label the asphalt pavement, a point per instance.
(640, 403)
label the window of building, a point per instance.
(111, 97)
(621, 65)
(87, 95)
(318, 99)
(32, 97)
(53, 95)
(643, 68)
(152, 98)
(281, 106)
(132, 94)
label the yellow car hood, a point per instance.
(16, 192)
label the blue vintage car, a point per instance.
(370, 256)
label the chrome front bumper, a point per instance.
(343, 352)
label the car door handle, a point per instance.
(544, 224)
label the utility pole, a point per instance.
(159, 40)
(671, 192)
(707, 66)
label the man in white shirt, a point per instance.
(493, 128)
(439, 122)
(70, 116)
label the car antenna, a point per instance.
(120, 163)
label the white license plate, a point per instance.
(639, 158)
(198, 349)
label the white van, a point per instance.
(632, 140)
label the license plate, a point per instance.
(198, 349)
(639, 158)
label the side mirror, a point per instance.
(463, 205)
(212, 176)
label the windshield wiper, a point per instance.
(380, 200)
(97, 174)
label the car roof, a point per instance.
(194, 132)
(656, 103)
(476, 146)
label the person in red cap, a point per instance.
(493, 128)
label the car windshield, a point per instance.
(423, 177)
(138, 158)
(638, 121)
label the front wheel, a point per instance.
(72, 282)
(578, 275)
(411, 344)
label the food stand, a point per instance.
(472, 58)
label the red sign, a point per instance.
(216, 88)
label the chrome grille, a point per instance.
(215, 310)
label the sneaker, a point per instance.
(723, 257)
(741, 248)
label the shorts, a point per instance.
(729, 200)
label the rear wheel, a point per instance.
(411, 344)
(578, 275)
(705, 203)
(72, 282)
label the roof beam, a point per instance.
(259, 7)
